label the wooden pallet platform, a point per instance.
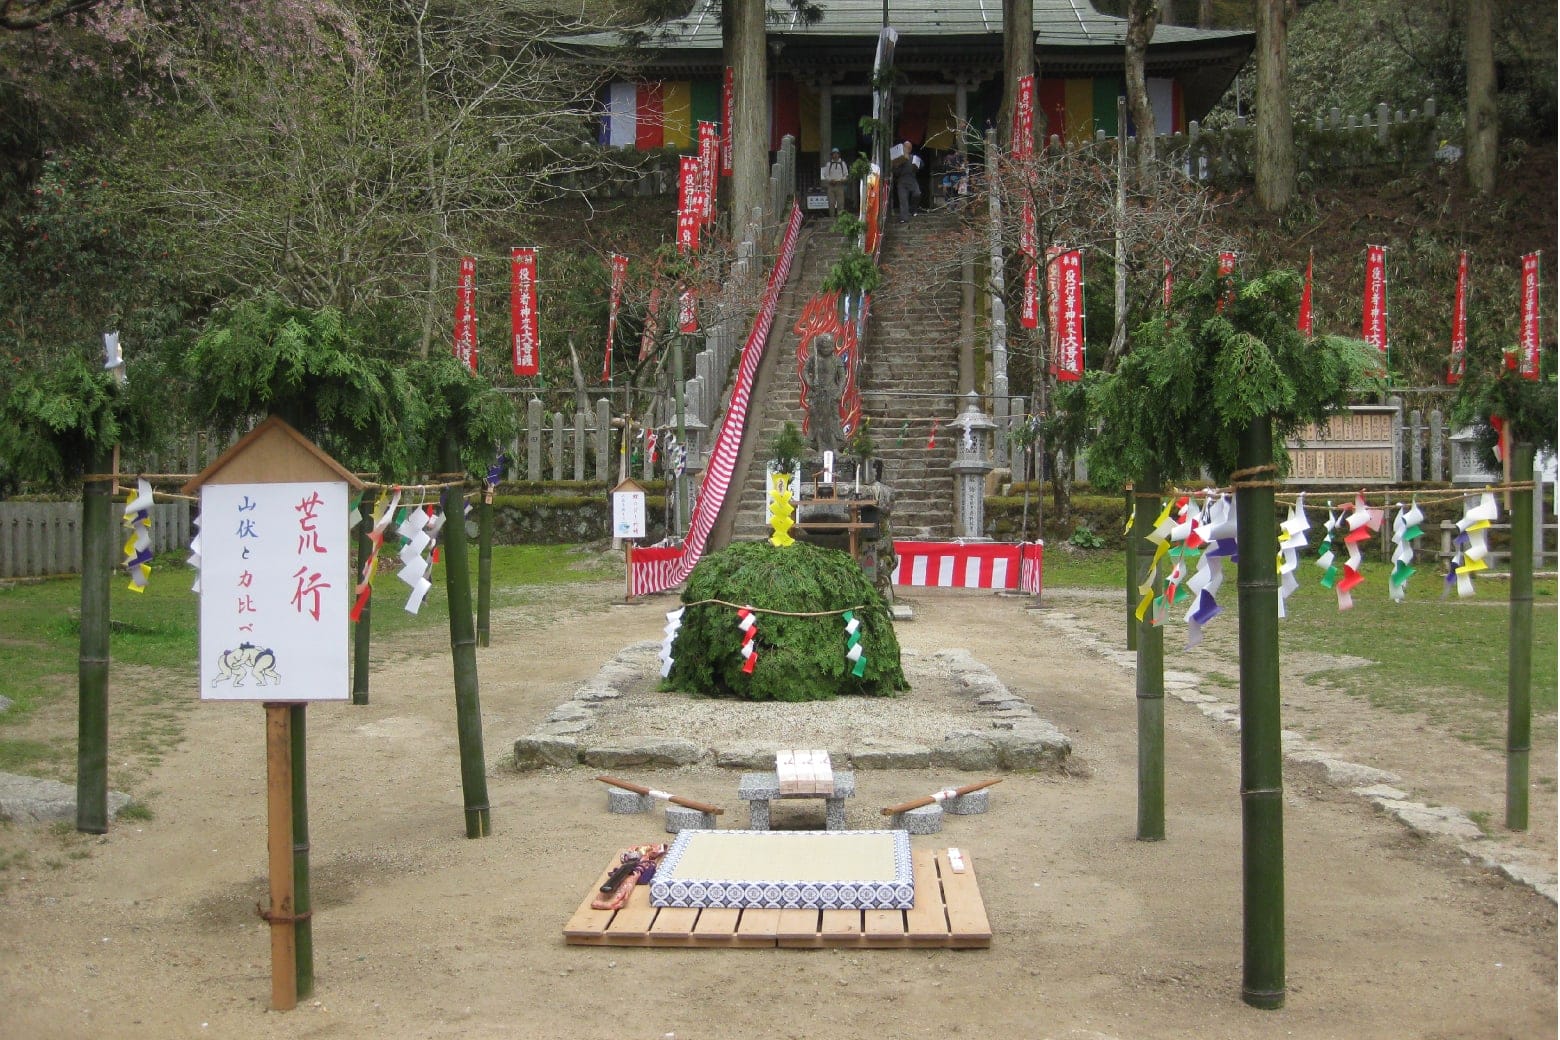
(948, 913)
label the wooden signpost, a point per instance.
(628, 524)
(275, 588)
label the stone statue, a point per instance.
(825, 383)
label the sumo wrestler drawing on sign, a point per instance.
(232, 664)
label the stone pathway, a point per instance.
(1374, 785)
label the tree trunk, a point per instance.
(1275, 129)
(1018, 60)
(1483, 132)
(1205, 14)
(749, 59)
(1166, 12)
(97, 568)
(1142, 16)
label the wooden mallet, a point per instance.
(940, 796)
(688, 803)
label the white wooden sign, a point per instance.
(275, 588)
(628, 511)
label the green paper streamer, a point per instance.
(1330, 578)
(861, 667)
(1401, 573)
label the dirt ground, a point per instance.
(150, 930)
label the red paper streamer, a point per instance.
(1304, 322)
(522, 311)
(465, 349)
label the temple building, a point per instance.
(948, 57)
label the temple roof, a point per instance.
(955, 37)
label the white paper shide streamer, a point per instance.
(1291, 541)
(414, 567)
(673, 623)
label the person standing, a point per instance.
(835, 175)
(907, 184)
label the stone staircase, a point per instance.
(909, 378)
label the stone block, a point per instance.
(543, 749)
(27, 799)
(627, 802)
(644, 751)
(912, 756)
(746, 756)
(1035, 746)
(928, 819)
(967, 751)
(682, 818)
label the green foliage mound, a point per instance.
(799, 658)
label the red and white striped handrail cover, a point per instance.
(658, 569)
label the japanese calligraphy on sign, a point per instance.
(522, 312)
(275, 588)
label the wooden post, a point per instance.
(628, 571)
(1131, 568)
(279, 805)
(92, 676)
(1519, 643)
(302, 904)
(362, 629)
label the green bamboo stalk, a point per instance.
(463, 650)
(303, 931)
(1132, 578)
(97, 565)
(1261, 754)
(1519, 642)
(1150, 673)
(362, 629)
(484, 568)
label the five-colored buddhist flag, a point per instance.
(522, 311)
(1454, 373)
(466, 314)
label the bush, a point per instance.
(799, 658)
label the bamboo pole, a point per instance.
(362, 629)
(463, 651)
(484, 567)
(302, 903)
(1131, 568)
(1519, 641)
(1150, 675)
(97, 554)
(279, 842)
(1261, 753)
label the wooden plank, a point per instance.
(967, 922)
(883, 927)
(799, 928)
(636, 917)
(588, 923)
(926, 923)
(840, 927)
(717, 926)
(675, 922)
(758, 927)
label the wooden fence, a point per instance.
(44, 538)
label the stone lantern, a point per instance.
(971, 462)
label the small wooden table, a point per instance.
(759, 789)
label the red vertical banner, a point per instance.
(688, 206)
(1024, 118)
(1169, 284)
(709, 158)
(1069, 310)
(1373, 329)
(619, 278)
(1029, 314)
(1303, 323)
(1528, 332)
(1454, 372)
(687, 312)
(725, 124)
(466, 313)
(652, 327)
(1226, 268)
(522, 312)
